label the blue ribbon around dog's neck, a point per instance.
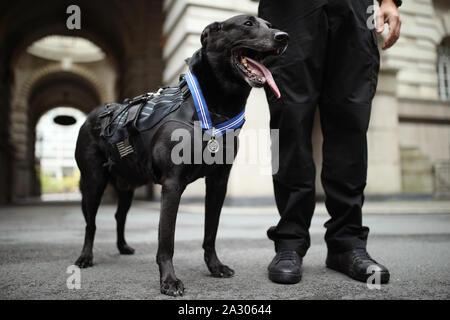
(203, 113)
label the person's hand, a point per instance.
(389, 14)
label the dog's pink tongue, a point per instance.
(267, 75)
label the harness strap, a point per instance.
(133, 112)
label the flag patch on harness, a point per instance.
(124, 147)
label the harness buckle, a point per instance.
(105, 113)
(184, 88)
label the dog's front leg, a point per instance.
(216, 189)
(170, 199)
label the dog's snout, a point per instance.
(281, 36)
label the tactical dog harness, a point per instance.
(125, 126)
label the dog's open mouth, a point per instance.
(256, 74)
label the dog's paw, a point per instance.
(172, 288)
(125, 249)
(221, 271)
(85, 261)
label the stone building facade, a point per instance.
(145, 43)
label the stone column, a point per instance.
(142, 68)
(5, 147)
(384, 175)
(19, 136)
(143, 65)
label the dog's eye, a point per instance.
(248, 23)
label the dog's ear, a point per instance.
(213, 27)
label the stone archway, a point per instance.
(55, 68)
(49, 87)
(130, 35)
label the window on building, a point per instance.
(444, 70)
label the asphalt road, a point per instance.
(38, 243)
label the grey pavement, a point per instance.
(39, 242)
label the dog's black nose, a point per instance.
(281, 36)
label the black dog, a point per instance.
(226, 66)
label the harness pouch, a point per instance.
(123, 126)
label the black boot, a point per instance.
(357, 264)
(286, 267)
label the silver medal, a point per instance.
(213, 146)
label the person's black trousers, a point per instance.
(332, 62)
